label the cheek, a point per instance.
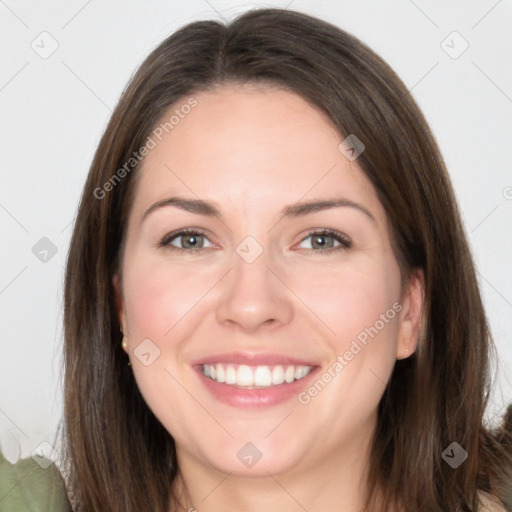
(361, 308)
(161, 301)
(159, 296)
(352, 297)
(359, 304)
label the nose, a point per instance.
(254, 296)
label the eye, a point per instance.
(324, 241)
(191, 240)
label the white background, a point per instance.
(54, 110)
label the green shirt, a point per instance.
(26, 487)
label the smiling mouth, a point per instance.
(254, 377)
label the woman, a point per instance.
(270, 301)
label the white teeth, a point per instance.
(254, 376)
(221, 375)
(299, 372)
(230, 375)
(244, 376)
(289, 376)
(262, 376)
(277, 375)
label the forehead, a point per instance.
(250, 145)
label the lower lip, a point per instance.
(245, 398)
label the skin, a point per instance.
(253, 150)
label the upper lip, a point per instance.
(253, 359)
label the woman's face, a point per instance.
(304, 324)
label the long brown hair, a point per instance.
(119, 457)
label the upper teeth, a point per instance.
(243, 375)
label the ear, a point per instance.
(410, 315)
(116, 281)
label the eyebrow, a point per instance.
(209, 209)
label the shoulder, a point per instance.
(489, 503)
(29, 486)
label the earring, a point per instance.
(124, 344)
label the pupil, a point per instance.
(320, 240)
(191, 237)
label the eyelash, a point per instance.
(345, 242)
